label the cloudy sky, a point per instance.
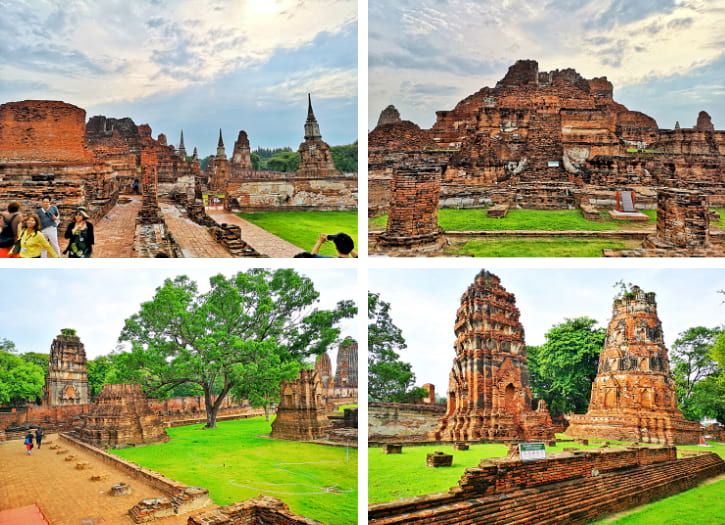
(665, 58)
(199, 65)
(424, 304)
(96, 302)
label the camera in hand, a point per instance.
(331, 237)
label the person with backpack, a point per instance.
(28, 441)
(9, 228)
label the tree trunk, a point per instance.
(266, 412)
(212, 407)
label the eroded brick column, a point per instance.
(413, 218)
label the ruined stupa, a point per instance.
(346, 369)
(121, 417)
(301, 414)
(66, 382)
(633, 397)
(488, 392)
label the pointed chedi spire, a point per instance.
(195, 156)
(220, 153)
(182, 149)
(312, 128)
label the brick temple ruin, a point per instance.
(121, 417)
(346, 366)
(567, 487)
(316, 185)
(633, 397)
(538, 140)
(302, 412)
(489, 398)
(66, 382)
(48, 149)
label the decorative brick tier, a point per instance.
(301, 414)
(567, 488)
(66, 382)
(633, 396)
(121, 417)
(488, 392)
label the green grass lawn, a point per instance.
(302, 228)
(549, 220)
(721, 223)
(551, 247)
(405, 475)
(235, 463)
(343, 407)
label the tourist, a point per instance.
(10, 227)
(32, 241)
(304, 255)
(28, 441)
(49, 221)
(80, 236)
(136, 187)
(38, 436)
(343, 244)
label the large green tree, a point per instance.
(691, 360)
(20, 380)
(563, 368)
(389, 378)
(211, 339)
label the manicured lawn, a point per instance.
(343, 407)
(550, 247)
(235, 462)
(302, 228)
(554, 220)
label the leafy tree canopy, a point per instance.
(212, 339)
(20, 380)
(563, 368)
(389, 378)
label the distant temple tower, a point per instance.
(66, 382)
(182, 149)
(241, 163)
(633, 396)
(489, 397)
(315, 154)
(346, 368)
(323, 368)
(218, 168)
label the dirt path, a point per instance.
(66, 495)
(114, 233)
(258, 238)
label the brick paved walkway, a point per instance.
(114, 233)
(66, 495)
(259, 239)
(194, 239)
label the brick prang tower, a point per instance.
(488, 392)
(66, 382)
(633, 397)
(346, 368)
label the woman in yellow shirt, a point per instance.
(32, 241)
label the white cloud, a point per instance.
(157, 49)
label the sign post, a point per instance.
(532, 451)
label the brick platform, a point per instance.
(567, 488)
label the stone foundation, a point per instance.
(551, 491)
(262, 510)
